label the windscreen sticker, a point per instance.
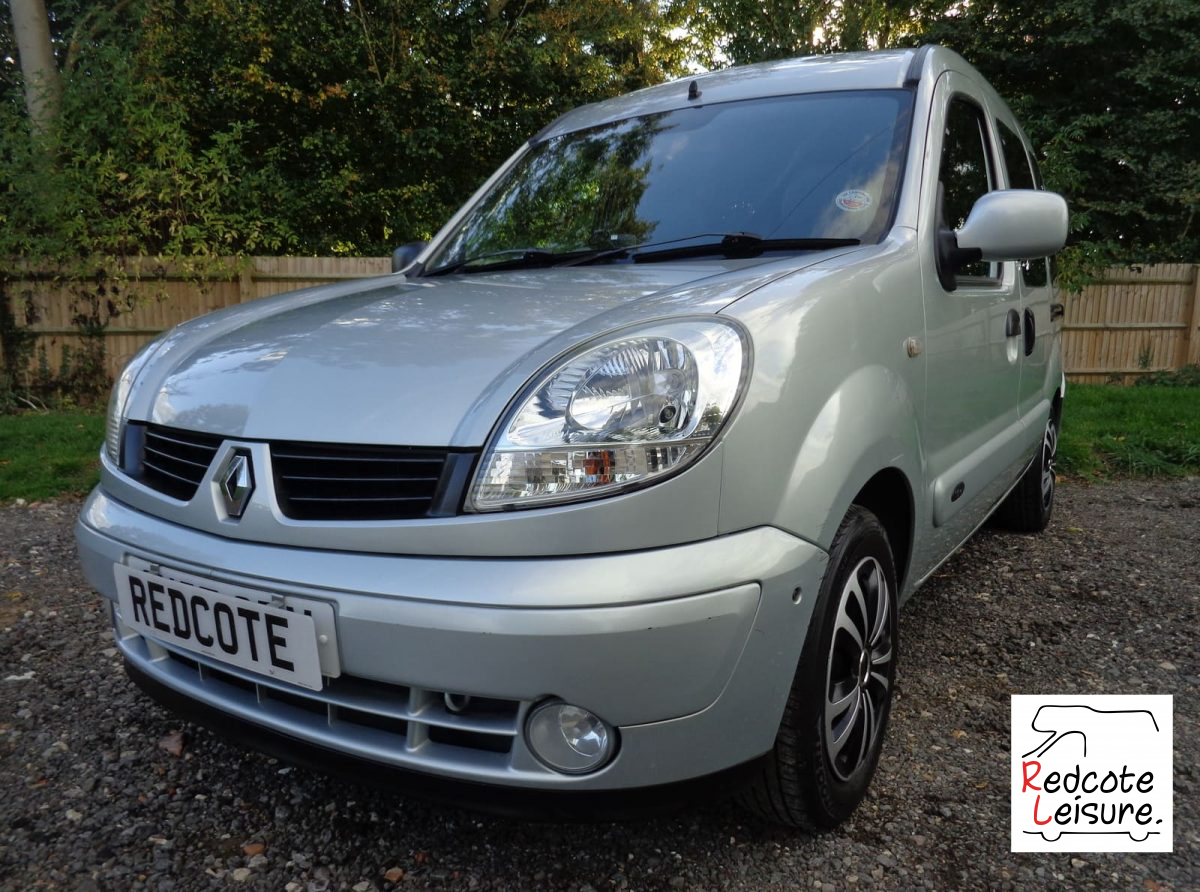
(853, 200)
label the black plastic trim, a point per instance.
(913, 76)
(133, 443)
(306, 477)
(575, 806)
(451, 493)
(450, 490)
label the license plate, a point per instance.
(260, 634)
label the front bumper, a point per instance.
(689, 651)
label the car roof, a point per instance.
(879, 70)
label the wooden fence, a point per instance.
(1132, 322)
(175, 299)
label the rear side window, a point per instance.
(965, 174)
(1016, 162)
(1022, 174)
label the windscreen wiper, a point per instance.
(509, 258)
(727, 244)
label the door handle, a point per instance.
(1012, 324)
(1030, 333)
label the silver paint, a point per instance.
(667, 611)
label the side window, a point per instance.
(1022, 174)
(1016, 162)
(965, 173)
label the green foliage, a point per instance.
(365, 124)
(1184, 376)
(208, 127)
(118, 177)
(123, 176)
(47, 454)
(1110, 94)
(746, 31)
(1130, 431)
(197, 128)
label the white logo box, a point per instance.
(1092, 773)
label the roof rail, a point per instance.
(913, 77)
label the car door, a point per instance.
(972, 432)
(1034, 284)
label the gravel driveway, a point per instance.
(1105, 602)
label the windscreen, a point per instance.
(820, 165)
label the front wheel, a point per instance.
(1029, 506)
(832, 730)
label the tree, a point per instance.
(365, 123)
(746, 31)
(31, 33)
(1110, 95)
(314, 127)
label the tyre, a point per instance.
(1029, 506)
(833, 726)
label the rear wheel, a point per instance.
(1029, 506)
(832, 730)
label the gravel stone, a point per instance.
(1106, 601)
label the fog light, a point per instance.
(568, 738)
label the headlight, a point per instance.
(119, 398)
(618, 414)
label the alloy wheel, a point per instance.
(1049, 452)
(858, 676)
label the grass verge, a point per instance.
(1130, 431)
(47, 454)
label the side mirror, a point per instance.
(1016, 224)
(403, 257)
(1009, 224)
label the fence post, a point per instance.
(1191, 340)
(246, 280)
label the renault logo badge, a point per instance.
(235, 481)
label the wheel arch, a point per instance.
(861, 446)
(889, 496)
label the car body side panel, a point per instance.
(836, 397)
(1041, 370)
(974, 440)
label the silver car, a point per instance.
(617, 483)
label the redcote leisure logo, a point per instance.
(1092, 773)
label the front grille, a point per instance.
(317, 481)
(174, 461)
(391, 722)
(313, 481)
